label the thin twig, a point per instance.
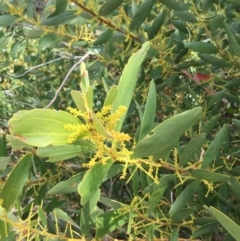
(37, 66)
(65, 79)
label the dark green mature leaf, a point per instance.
(217, 98)
(13, 187)
(178, 6)
(92, 180)
(192, 148)
(215, 61)
(49, 130)
(233, 43)
(182, 214)
(234, 185)
(212, 123)
(149, 113)
(186, 16)
(157, 24)
(233, 83)
(236, 2)
(225, 221)
(209, 176)
(215, 146)
(175, 234)
(207, 228)
(7, 20)
(165, 136)
(202, 47)
(216, 23)
(141, 14)
(110, 221)
(184, 197)
(59, 19)
(61, 6)
(104, 37)
(34, 33)
(49, 40)
(109, 7)
(3, 145)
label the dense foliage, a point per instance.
(145, 139)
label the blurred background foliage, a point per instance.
(193, 61)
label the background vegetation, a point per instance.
(182, 180)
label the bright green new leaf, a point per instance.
(215, 146)
(109, 6)
(141, 14)
(4, 160)
(41, 127)
(128, 81)
(92, 180)
(225, 221)
(149, 113)
(78, 100)
(16, 144)
(61, 153)
(13, 187)
(6, 20)
(165, 136)
(110, 98)
(184, 197)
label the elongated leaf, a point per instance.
(49, 40)
(207, 228)
(12, 188)
(175, 234)
(59, 19)
(104, 37)
(128, 81)
(216, 23)
(7, 20)
(184, 197)
(192, 148)
(215, 146)
(165, 136)
(233, 43)
(178, 6)
(225, 221)
(149, 113)
(110, 221)
(4, 162)
(141, 14)
(214, 60)
(78, 100)
(234, 185)
(3, 145)
(157, 24)
(186, 16)
(110, 98)
(92, 181)
(182, 214)
(211, 124)
(202, 47)
(60, 7)
(40, 127)
(109, 7)
(209, 176)
(61, 153)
